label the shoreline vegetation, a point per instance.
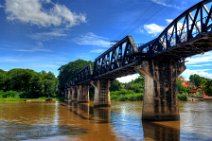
(26, 84)
(13, 96)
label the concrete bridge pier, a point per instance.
(101, 93)
(66, 94)
(73, 94)
(83, 93)
(160, 95)
(69, 95)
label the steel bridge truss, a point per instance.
(118, 56)
(187, 35)
(191, 24)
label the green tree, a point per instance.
(49, 84)
(181, 89)
(208, 87)
(137, 85)
(197, 80)
(68, 71)
(28, 83)
(115, 85)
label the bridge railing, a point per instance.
(82, 76)
(117, 56)
(186, 27)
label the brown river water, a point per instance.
(122, 121)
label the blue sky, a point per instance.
(45, 34)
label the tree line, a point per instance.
(31, 84)
(27, 83)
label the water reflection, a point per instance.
(23, 121)
(85, 111)
(121, 121)
(161, 131)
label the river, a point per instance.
(122, 121)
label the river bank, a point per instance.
(40, 99)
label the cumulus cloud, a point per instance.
(200, 59)
(169, 20)
(93, 40)
(153, 29)
(128, 78)
(204, 73)
(33, 12)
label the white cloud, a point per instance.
(169, 20)
(33, 12)
(165, 3)
(186, 74)
(201, 65)
(200, 59)
(93, 40)
(97, 50)
(43, 36)
(153, 28)
(128, 78)
(34, 50)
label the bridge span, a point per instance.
(160, 61)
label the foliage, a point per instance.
(202, 82)
(27, 83)
(208, 87)
(126, 95)
(68, 71)
(197, 80)
(180, 88)
(115, 85)
(8, 94)
(133, 91)
(183, 97)
(137, 85)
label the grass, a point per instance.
(126, 95)
(14, 96)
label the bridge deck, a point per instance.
(200, 44)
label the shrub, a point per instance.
(126, 95)
(10, 94)
(182, 97)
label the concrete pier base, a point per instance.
(83, 94)
(160, 96)
(73, 94)
(101, 93)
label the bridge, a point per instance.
(159, 61)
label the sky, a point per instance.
(45, 34)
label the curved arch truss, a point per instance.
(191, 25)
(189, 34)
(118, 56)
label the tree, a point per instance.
(208, 87)
(29, 83)
(49, 84)
(68, 71)
(181, 89)
(197, 80)
(137, 85)
(115, 85)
